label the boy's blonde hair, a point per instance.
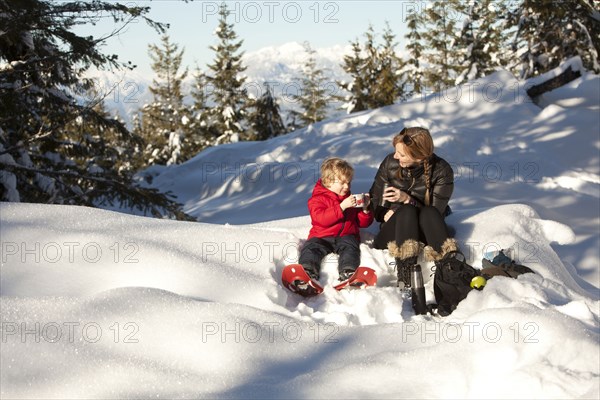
(333, 168)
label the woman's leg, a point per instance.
(386, 234)
(433, 227)
(401, 226)
(435, 231)
(407, 224)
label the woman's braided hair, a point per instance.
(420, 148)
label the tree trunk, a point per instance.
(551, 84)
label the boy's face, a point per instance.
(340, 186)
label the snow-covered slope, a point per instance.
(504, 149)
(98, 304)
(123, 306)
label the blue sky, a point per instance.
(258, 23)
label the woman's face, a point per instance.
(404, 159)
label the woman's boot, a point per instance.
(406, 256)
(449, 246)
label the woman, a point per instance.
(412, 209)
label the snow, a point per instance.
(9, 181)
(228, 113)
(175, 139)
(100, 304)
(574, 63)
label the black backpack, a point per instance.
(452, 282)
(452, 279)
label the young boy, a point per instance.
(335, 221)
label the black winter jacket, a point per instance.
(412, 181)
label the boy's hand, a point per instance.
(348, 202)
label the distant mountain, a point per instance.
(284, 63)
(280, 66)
(124, 92)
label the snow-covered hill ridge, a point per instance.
(149, 306)
(502, 146)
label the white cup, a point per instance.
(360, 199)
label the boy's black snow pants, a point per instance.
(315, 249)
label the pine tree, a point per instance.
(312, 98)
(265, 119)
(227, 82)
(413, 70)
(375, 73)
(389, 86)
(356, 99)
(292, 121)
(549, 32)
(200, 133)
(439, 35)
(371, 67)
(482, 41)
(55, 148)
(165, 121)
(82, 139)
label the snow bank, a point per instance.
(97, 304)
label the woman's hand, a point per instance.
(388, 215)
(394, 195)
(367, 201)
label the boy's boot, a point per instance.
(346, 273)
(311, 271)
(406, 256)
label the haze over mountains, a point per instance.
(280, 66)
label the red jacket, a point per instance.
(328, 219)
